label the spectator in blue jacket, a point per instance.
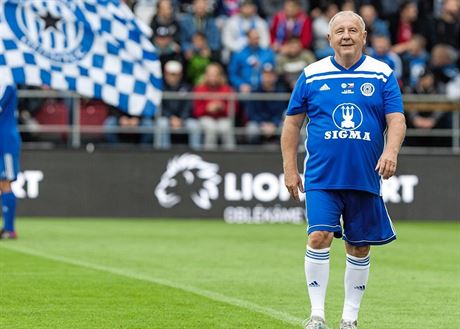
(199, 21)
(381, 49)
(264, 117)
(245, 67)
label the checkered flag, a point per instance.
(94, 47)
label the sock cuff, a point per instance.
(318, 250)
(359, 263)
(320, 256)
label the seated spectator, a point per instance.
(200, 57)
(447, 25)
(119, 119)
(440, 73)
(245, 67)
(176, 114)
(381, 50)
(269, 8)
(235, 31)
(443, 65)
(326, 11)
(264, 117)
(199, 21)
(404, 26)
(166, 20)
(374, 25)
(453, 89)
(290, 64)
(166, 48)
(348, 5)
(215, 115)
(291, 22)
(226, 9)
(414, 59)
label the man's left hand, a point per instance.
(386, 166)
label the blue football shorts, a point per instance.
(365, 220)
(9, 166)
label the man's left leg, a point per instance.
(355, 282)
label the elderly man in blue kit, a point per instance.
(354, 134)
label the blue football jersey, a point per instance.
(346, 110)
(9, 135)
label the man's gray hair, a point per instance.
(347, 13)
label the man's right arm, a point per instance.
(289, 146)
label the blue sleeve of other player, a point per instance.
(299, 98)
(7, 96)
(392, 99)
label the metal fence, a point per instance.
(75, 130)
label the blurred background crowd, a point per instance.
(224, 47)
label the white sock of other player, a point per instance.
(317, 274)
(356, 275)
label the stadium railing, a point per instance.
(75, 130)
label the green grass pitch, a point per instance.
(131, 273)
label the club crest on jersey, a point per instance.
(367, 89)
(347, 117)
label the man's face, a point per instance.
(173, 78)
(248, 10)
(411, 12)
(268, 79)
(200, 7)
(381, 45)
(253, 38)
(294, 47)
(291, 9)
(347, 37)
(212, 76)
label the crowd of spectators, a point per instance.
(262, 46)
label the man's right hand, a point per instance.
(294, 184)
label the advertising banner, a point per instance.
(239, 187)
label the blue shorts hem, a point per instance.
(369, 242)
(336, 229)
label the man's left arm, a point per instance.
(396, 130)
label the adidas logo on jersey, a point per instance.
(324, 87)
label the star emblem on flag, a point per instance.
(50, 20)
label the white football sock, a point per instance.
(355, 282)
(317, 274)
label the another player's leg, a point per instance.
(317, 275)
(8, 211)
(355, 282)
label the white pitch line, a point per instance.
(279, 315)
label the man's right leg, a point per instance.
(317, 270)
(323, 214)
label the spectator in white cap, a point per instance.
(176, 113)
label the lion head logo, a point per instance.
(189, 170)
